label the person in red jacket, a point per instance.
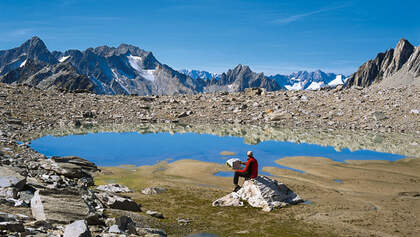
(249, 172)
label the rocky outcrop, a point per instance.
(71, 167)
(114, 188)
(46, 76)
(118, 202)
(261, 192)
(395, 67)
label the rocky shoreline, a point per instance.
(384, 120)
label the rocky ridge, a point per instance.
(393, 68)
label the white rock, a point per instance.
(232, 199)
(114, 229)
(37, 208)
(114, 188)
(414, 111)
(261, 192)
(153, 190)
(77, 229)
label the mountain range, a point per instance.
(128, 69)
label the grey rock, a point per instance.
(60, 207)
(10, 178)
(6, 217)
(8, 192)
(155, 214)
(70, 166)
(154, 190)
(126, 224)
(118, 202)
(114, 188)
(114, 229)
(151, 232)
(78, 228)
(279, 115)
(378, 116)
(12, 226)
(261, 192)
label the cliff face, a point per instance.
(395, 67)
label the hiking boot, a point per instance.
(236, 189)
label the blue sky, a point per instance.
(215, 35)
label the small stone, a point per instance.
(154, 190)
(155, 214)
(414, 111)
(151, 232)
(183, 221)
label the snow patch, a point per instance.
(296, 86)
(315, 86)
(62, 59)
(23, 63)
(135, 62)
(339, 80)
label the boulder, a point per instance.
(114, 188)
(10, 178)
(280, 115)
(126, 224)
(261, 192)
(78, 228)
(153, 190)
(59, 207)
(117, 202)
(12, 226)
(5, 217)
(70, 166)
(37, 208)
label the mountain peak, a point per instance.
(35, 42)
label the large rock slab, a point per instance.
(59, 207)
(261, 192)
(118, 202)
(77, 229)
(10, 178)
(70, 166)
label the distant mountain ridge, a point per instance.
(127, 69)
(302, 80)
(393, 68)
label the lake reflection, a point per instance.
(114, 149)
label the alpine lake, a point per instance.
(344, 177)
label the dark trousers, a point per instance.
(246, 175)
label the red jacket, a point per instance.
(251, 167)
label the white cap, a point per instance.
(249, 153)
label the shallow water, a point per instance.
(114, 149)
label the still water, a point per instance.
(114, 149)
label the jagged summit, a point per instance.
(395, 67)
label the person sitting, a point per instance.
(249, 172)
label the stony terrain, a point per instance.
(386, 115)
